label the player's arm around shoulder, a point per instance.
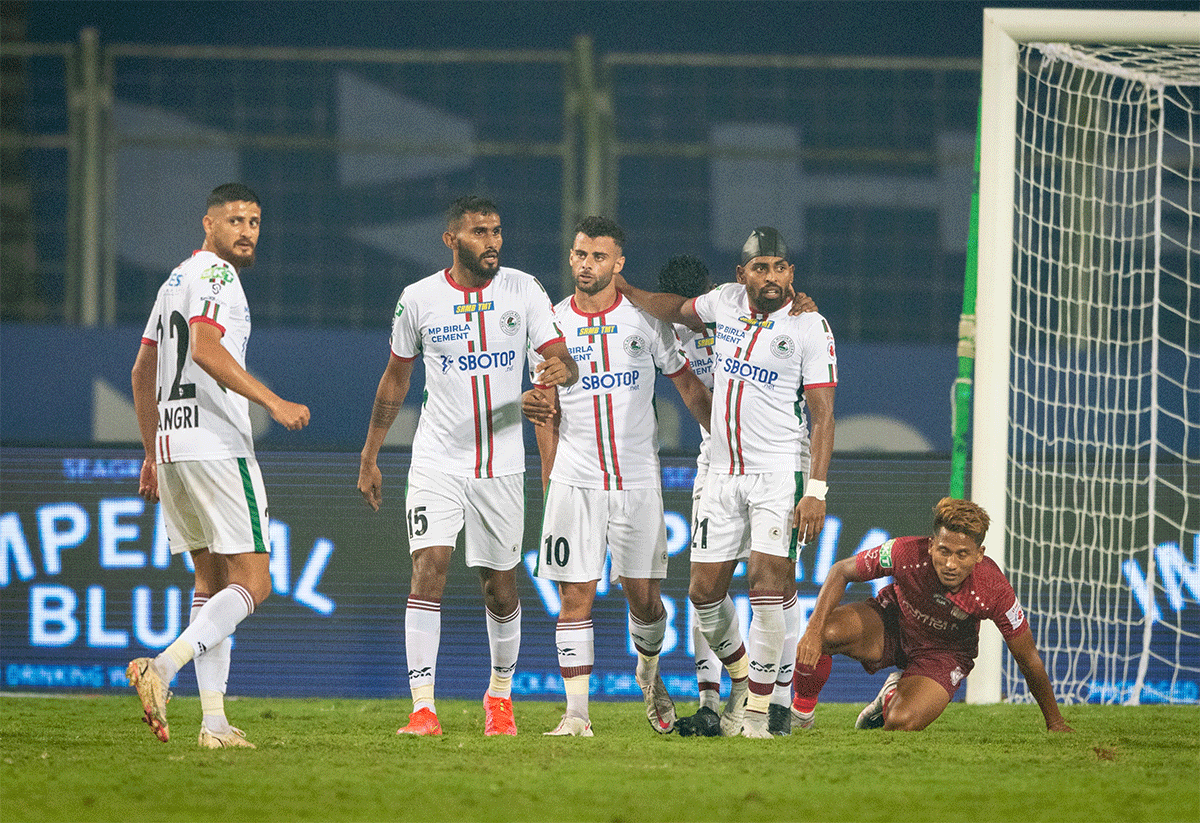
(1025, 652)
(670, 308)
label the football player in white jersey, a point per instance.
(599, 445)
(767, 360)
(471, 324)
(687, 276)
(191, 392)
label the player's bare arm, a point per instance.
(695, 396)
(670, 308)
(809, 517)
(210, 355)
(546, 433)
(1025, 652)
(145, 405)
(389, 397)
(559, 368)
(811, 644)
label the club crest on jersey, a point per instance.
(588, 331)
(217, 275)
(510, 323)
(783, 346)
(1015, 615)
(763, 323)
(634, 345)
(471, 308)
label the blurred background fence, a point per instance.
(864, 163)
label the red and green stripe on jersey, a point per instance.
(735, 391)
(472, 310)
(602, 409)
(209, 313)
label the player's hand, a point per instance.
(551, 372)
(292, 416)
(536, 406)
(370, 484)
(148, 481)
(1059, 725)
(808, 652)
(801, 303)
(808, 519)
(620, 283)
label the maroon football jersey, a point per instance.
(931, 617)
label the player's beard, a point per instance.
(476, 266)
(770, 305)
(599, 283)
(232, 254)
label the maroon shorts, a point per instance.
(946, 668)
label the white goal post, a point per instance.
(1086, 410)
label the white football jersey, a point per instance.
(197, 418)
(473, 344)
(764, 363)
(608, 431)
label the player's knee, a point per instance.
(833, 638)
(499, 592)
(901, 719)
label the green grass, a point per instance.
(90, 759)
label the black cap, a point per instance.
(764, 242)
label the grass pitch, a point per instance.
(91, 759)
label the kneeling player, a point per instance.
(925, 623)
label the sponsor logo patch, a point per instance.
(471, 308)
(587, 331)
(217, 275)
(885, 554)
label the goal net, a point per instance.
(1100, 469)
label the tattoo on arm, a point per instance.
(383, 413)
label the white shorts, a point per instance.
(697, 496)
(581, 526)
(219, 505)
(736, 506)
(438, 505)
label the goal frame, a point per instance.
(1003, 31)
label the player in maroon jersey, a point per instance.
(925, 623)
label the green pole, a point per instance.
(963, 384)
